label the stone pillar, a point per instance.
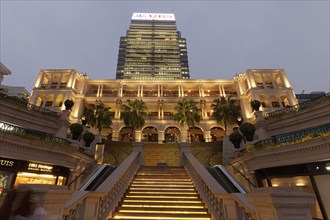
(99, 151)
(281, 203)
(183, 147)
(138, 136)
(184, 136)
(115, 135)
(161, 137)
(207, 136)
(261, 126)
(62, 132)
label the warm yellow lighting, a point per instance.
(300, 184)
(165, 218)
(162, 206)
(162, 211)
(275, 185)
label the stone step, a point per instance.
(187, 204)
(163, 199)
(176, 209)
(177, 216)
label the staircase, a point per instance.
(161, 193)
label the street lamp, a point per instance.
(239, 121)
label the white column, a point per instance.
(161, 137)
(179, 90)
(98, 91)
(207, 136)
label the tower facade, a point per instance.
(152, 49)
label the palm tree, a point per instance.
(133, 114)
(187, 112)
(99, 117)
(225, 111)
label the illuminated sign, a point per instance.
(153, 16)
(40, 167)
(7, 163)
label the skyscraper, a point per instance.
(152, 49)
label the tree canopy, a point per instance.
(225, 111)
(187, 112)
(133, 114)
(99, 116)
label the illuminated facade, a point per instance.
(152, 49)
(161, 96)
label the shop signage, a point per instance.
(6, 163)
(40, 167)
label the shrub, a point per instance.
(236, 139)
(255, 104)
(76, 130)
(68, 104)
(248, 130)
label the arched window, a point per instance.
(217, 133)
(150, 134)
(172, 134)
(275, 102)
(40, 101)
(49, 101)
(264, 101)
(59, 100)
(285, 101)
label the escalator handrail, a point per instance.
(249, 181)
(231, 178)
(91, 179)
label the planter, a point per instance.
(75, 136)
(76, 130)
(249, 137)
(88, 138)
(237, 144)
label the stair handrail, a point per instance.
(212, 193)
(108, 194)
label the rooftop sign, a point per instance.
(153, 16)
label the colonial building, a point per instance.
(270, 86)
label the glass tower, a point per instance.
(152, 49)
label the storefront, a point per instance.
(312, 178)
(14, 172)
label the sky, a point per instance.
(223, 37)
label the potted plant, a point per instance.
(255, 104)
(248, 130)
(88, 138)
(76, 130)
(236, 139)
(68, 104)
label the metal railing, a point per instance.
(37, 135)
(295, 108)
(28, 106)
(293, 136)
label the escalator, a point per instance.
(97, 178)
(226, 180)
